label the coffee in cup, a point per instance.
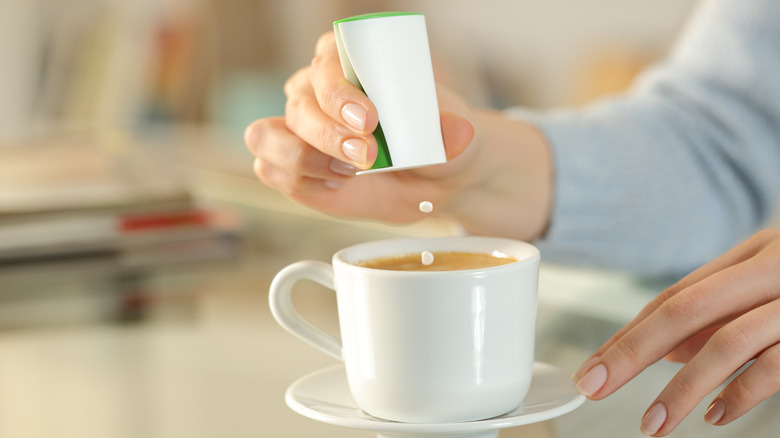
(440, 261)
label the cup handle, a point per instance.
(280, 300)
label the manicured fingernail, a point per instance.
(354, 115)
(715, 411)
(355, 149)
(333, 184)
(654, 419)
(593, 380)
(585, 367)
(342, 168)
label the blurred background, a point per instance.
(87, 64)
(136, 245)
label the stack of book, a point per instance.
(103, 196)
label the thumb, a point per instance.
(457, 133)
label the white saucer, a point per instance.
(324, 396)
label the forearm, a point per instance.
(651, 186)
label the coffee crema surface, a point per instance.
(442, 261)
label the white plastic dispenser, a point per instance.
(387, 56)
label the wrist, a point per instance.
(506, 187)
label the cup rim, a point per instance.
(342, 258)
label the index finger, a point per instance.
(702, 305)
(736, 255)
(343, 101)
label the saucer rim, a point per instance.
(517, 417)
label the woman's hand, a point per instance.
(312, 153)
(715, 320)
(498, 178)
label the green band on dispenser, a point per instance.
(375, 15)
(383, 153)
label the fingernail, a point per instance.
(333, 184)
(584, 367)
(355, 149)
(715, 411)
(653, 419)
(593, 380)
(354, 115)
(342, 168)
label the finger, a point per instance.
(305, 119)
(736, 255)
(298, 83)
(457, 133)
(266, 134)
(270, 141)
(727, 350)
(292, 185)
(688, 349)
(757, 383)
(712, 301)
(339, 99)
(644, 313)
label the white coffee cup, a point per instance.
(421, 346)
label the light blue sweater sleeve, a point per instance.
(686, 164)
